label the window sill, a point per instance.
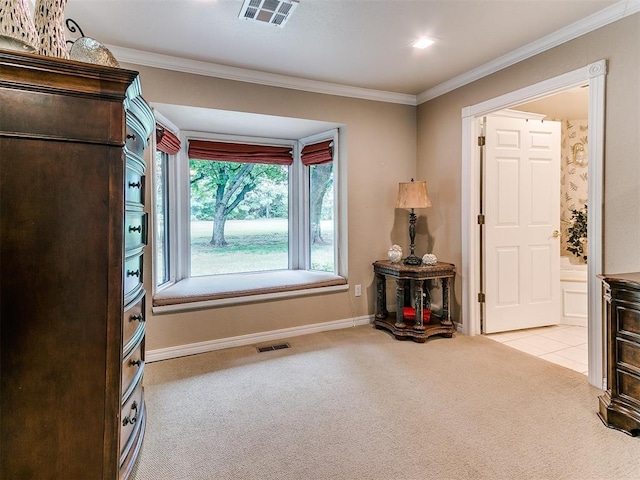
(223, 290)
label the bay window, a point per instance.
(253, 207)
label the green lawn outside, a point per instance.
(253, 246)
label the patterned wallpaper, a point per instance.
(573, 178)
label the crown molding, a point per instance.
(597, 20)
(168, 62)
(588, 24)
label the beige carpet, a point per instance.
(358, 404)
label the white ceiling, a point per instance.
(329, 44)
(357, 43)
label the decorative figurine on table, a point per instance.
(429, 259)
(395, 254)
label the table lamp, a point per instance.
(412, 195)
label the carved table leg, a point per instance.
(446, 300)
(381, 297)
(400, 304)
(419, 322)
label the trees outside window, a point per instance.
(247, 202)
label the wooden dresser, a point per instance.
(72, 235)
(620, 404)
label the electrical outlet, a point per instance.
(358, 290)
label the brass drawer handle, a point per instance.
(136, 363)
(135, 229)
(133, 273)
(135, 185)
(132, 420)
(136, 318)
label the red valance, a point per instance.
(317, 153)
(240, 152)
(166, 141)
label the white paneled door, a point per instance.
(522, 221)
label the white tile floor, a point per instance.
(564, 345)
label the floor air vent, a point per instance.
(275, 12)
(270, 348)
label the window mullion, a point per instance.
(305, 243)
(297, 220)
(182, 225)
(173, 189)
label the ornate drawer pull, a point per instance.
(135, 185)
(136, 318)
(135, 229)
(127, 420)
(130, 136)
(133, 273)
(137, 363)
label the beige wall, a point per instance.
(388, 143)
(380, 152)
(440, 139)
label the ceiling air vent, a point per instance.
(275, 12)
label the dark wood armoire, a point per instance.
(72, 235)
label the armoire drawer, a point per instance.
(132, 368)
(132, 276)
(130, 415)
(134, 142)
(133, 322)
(135, 230)
(131, 450)
(134, 185)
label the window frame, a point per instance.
(170, 205)
(165, 160)
(299, 231)
(306, 243)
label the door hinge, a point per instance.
(481, 298)
(481, 140)
(481, 219)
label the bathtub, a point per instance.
(573, 282)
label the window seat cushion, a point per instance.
(218, 287)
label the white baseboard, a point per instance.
(211, 345)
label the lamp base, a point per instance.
(412, 260)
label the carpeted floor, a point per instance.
(358, 404)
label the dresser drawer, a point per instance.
(134, 184)
(628, 354)
(131, 412)
(132, 276)
(132, 368)
(628, 320)
(135, 230)
(133, 322)
(628, 386)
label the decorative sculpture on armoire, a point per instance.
(49, 21)
(17, 30)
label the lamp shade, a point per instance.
(413, 195)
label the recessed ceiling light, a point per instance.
(423, 42)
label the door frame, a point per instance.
(594, 76)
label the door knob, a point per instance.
(556, 234)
